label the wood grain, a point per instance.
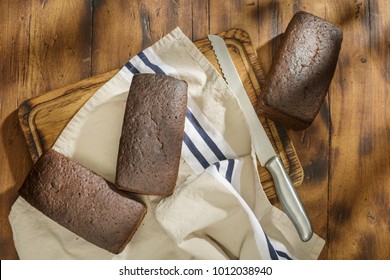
(59, 51)
(14, 165)
(344, 153)
(360, 158)
(133, 26)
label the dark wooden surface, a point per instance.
(48, 44)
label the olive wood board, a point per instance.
(43, 118)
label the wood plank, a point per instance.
(141, 24)
(241, 14)
(41, 48)
(115, 41)
(200, 19)
(59, 44)
(360, 156)
(14, 165)
(269, 30)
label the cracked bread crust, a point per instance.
(301, 72)
(152, 134)
(83, 202)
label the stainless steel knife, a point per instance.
(265, 153)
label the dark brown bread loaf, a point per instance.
(152, 135)
(301, 71)
(82, 202)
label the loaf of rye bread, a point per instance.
(82, 201)
(152, 134)
(301, 71)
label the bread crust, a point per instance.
(83, 202)
(301, 72)
(152, 135)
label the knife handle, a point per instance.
(289, 198)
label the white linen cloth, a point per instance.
(218, 209)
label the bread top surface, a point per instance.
(152, 135)
(82, 201)
(303, 67)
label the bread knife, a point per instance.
(265, 153)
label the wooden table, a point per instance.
(345, 154)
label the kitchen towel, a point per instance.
(218, 209)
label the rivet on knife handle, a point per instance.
(261, 143)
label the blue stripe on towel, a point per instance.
(205, 136)
(283, 255)
(194, 150)
(271, 249)
(131, 68)
(229, 171)
(148, 63)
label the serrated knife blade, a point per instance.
(264, 150)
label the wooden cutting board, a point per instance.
(44, 117)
